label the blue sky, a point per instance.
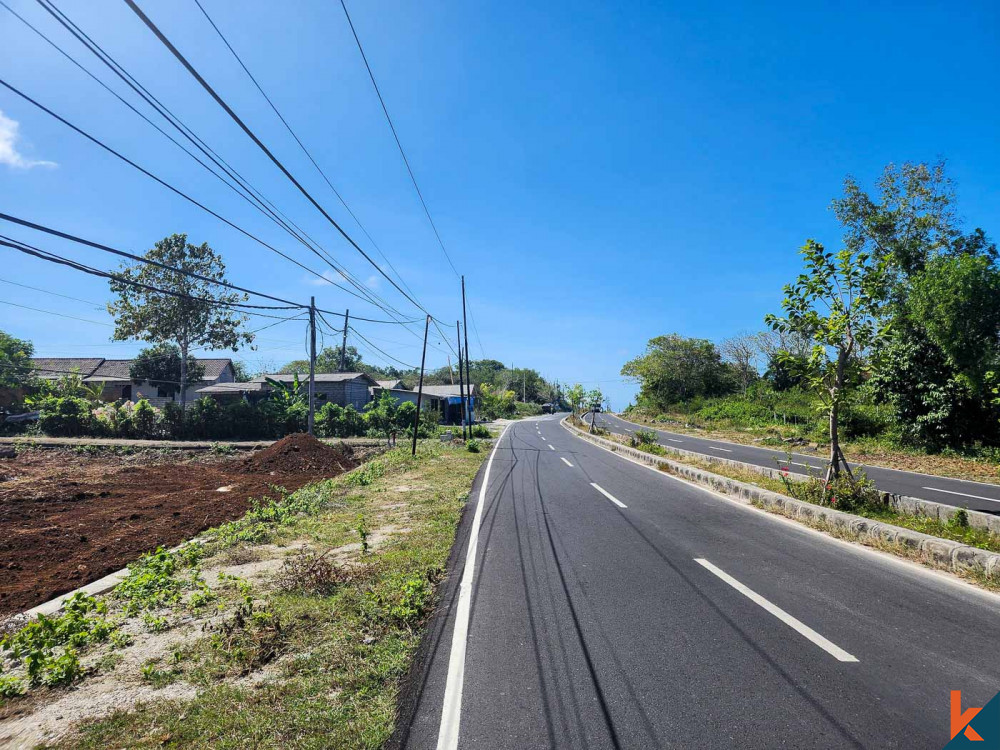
(602, 173)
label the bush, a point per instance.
(646, 437)
(480, 431)
(334, 420)
(473, 446)
(67, 416)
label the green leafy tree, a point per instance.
(594, 399)
(328, 360)
(15, 363)
(197, 313)
(161, 366)
(380, 415)
(494, 403)
(675, 369)
(837, 304)
(575, 395)
(956, 299)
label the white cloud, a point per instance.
(328, 277)
(9, 154)
(372, 282)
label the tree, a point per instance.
(837, 304)
(15, 367)
(328, 360)
(956, 299)
(159, 305)
(241, 372)
(494, 403)
(912, 217)
(381, 415)
(594, 399)
(675, 368)
(741, 352)
(575, 395)
(161, 366)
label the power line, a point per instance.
(245, 189)
(301, 144)
(60, 315)
(139, 258)
(380, 351)
(55, 294)
(395, 135)
(222, 103)
(61, 260)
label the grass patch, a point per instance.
(316, 659)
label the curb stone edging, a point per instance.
(942, 552)
(911, 506)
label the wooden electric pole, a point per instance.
(461, 386)
(312, 363)
(468, 374)
(343, 343)
(420, 387)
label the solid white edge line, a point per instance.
(794, 623)
(963, 494)
(608, 495)
(451, 711)
(566, 462)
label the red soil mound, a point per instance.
(299, 453)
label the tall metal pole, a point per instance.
(343, 343)
(468, 374)
(420, 387)
(461, 379)
(312, 363)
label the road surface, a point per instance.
(608, 605)
(960, 492)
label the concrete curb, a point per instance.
(942, 552)
(912, 506)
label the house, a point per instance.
(341, 388)
(391, 385)
(113, 374)
(445, 400)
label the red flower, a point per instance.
(833, 500)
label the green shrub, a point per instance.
(480, 431)
(10, 686)
(66, 416)
(334, 420)
(646, 437)
(145, 420)
(472, 446)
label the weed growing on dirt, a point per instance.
(362, 528)
(310, 572)
(10, 686)
(47, 646)
(157, 677)
(247, 639)
(222, 449)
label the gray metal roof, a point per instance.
(223, 388)
(321, 377)
(98, 369)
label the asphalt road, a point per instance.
(960, 492)
(608, 605)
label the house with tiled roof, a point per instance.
(118, 384)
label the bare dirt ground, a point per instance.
(67, 519)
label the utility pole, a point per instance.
(343, 344)
(312, 363)
(451, 370)
(468, 375)
(461, 386)
(420, 387)
(524, 386)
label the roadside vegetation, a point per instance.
(292, 626)
(885, 350)
(858, 496)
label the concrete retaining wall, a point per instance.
(942, 552)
